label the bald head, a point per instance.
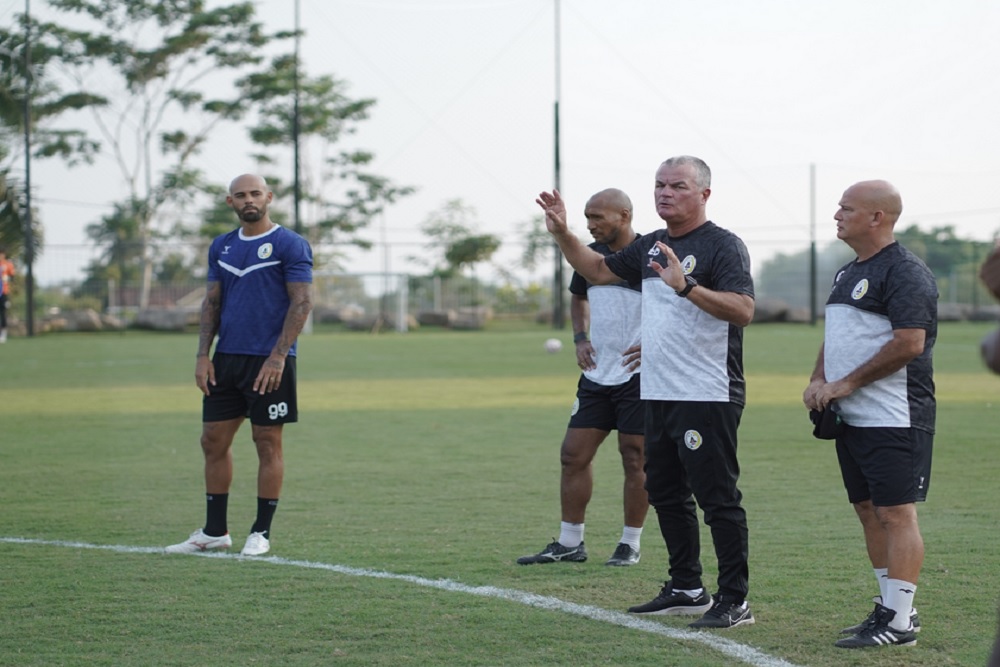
(867, 213)
(250, 198)
(612, 198)
(879, 196)
(609, 218)
(246, 182)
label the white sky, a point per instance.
(899, 89)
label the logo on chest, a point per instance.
(265, 251)
(860, 289)
(687, 264)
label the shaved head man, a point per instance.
(874, 370)
(256, 304)
(606, 325)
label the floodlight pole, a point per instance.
(558, 283)
(813, 308)
(29, 237)
(297, 187)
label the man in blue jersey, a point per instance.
(697, 295)
(257, 301)
(607, 396)
(874, 369)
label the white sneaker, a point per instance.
(257, 545)
(199, 542)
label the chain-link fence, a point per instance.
(71, 294)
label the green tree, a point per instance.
(49, 100)
(11, 225)
(785, 276)
(340, 195)
(166, 59)
(452, 230)
(538, 244)
(953, 260)
(537, 251)
(121, 260)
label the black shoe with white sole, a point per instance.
(674, 603)
(555, 553)
(725, 613)
(623, 556)
(880, 633)
(855, 629)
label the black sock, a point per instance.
(265, 512)
(215, 514)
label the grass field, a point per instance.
(422, 466)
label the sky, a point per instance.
(766, 92)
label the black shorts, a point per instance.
(233, 395)
(889, 466)
(608, 408)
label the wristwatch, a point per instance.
(691, 284)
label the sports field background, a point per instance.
(422, 466)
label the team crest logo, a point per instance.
(265, 251)
(860, 289)
(692, 439)
(688, 264)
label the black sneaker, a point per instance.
(855, 629)
(674, 603)
(555, 553)
(624, 555)
(725, 613)
(879, 633)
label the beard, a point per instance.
(251, 215)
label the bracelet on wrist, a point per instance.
(580, 337)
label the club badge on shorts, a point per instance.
(692, 439)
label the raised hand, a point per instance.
(555, 211)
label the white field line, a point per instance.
(728, 647)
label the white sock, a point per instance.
(899, 598)
(570, 534)
(630, 536)
(882, 576)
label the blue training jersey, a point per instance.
(253, 273)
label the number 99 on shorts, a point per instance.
(277, 410)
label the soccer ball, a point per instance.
(553, 345)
